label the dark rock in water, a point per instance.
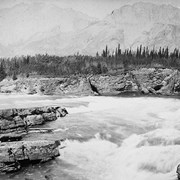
(48, 177)
(17, 120)
(178, 172)
(14, 154)
(61, 112)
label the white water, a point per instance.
(154, 154)
(128, 138)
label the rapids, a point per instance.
(107, 138)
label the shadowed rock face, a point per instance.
(17, 120)
(14, 154)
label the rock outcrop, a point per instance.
(17, 120)
(47, 86)
(139, 82)
(14, 154)
(13, 125)
(147, 81)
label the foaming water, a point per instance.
(109, 138)
(101, 159)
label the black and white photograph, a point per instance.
(89, 89)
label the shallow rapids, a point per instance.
(108, 138)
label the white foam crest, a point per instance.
(157, 137)
(164, 136)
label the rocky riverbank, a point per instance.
(14, 124)
(148, 81)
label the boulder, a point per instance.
(144, 90)
(62, 112)
(23, 112)
(50, 116)
(16, 124)
(34, 119)
(178, 172)
(8, 113)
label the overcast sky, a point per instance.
(95, 8)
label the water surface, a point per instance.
(107, 138)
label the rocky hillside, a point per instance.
(141, 81)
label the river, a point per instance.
(107, 138)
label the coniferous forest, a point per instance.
(55, 66)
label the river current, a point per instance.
(107, 138)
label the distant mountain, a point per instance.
(148, 24)
(23, 21)
(5, 52)
(48, 29)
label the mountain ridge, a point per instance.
(131, 25)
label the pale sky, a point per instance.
(94, 8)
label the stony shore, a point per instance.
(144, 81)
(14, 125)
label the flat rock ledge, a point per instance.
(14, 123)
(13, 155)
(17, 120)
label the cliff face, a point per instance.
(140, 81)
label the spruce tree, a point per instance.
(2, 72)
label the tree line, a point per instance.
(108, 61)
